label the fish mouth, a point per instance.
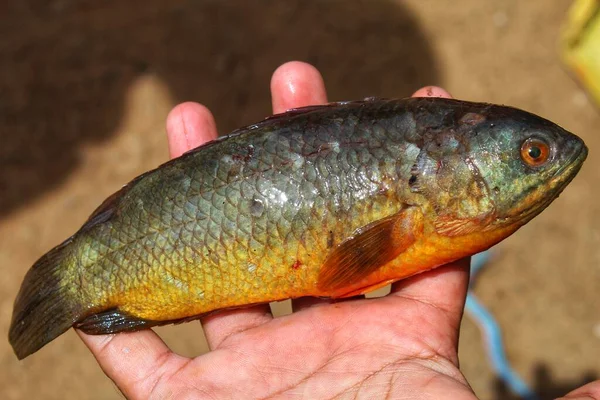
(567, 172)
(572, 166)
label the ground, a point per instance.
(86, 87)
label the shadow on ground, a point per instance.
(545, 386)
(65, 67)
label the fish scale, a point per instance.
(329, 201)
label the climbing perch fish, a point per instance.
(329, 201)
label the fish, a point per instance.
(327, 201)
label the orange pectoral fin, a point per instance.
(370, 248)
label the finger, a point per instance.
(428, 91)
(441, 295)
(591, 391)
(296, 84)
(134, 361)
(188, 126)
(220, 326)
(432, 91)
(444, 288)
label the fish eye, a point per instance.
(535, 152)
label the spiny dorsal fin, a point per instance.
(317, 107)
(283, 116)
(293, 112)
(105, 211)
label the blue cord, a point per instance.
(492, 335)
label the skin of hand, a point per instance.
(403, 345)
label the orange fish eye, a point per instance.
(535, 152)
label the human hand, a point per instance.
(402, 345)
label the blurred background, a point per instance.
(85, 88)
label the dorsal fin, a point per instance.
(294, 112)
(105, 211)
(318, 107)
(281, 117)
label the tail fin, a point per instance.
(44, 308)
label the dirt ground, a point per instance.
(85, 88)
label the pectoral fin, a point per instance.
(370, 248)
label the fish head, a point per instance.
(524, 162)
(488, 167)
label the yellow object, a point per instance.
(580, 44)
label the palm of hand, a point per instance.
(403, 345)
(380, 348)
